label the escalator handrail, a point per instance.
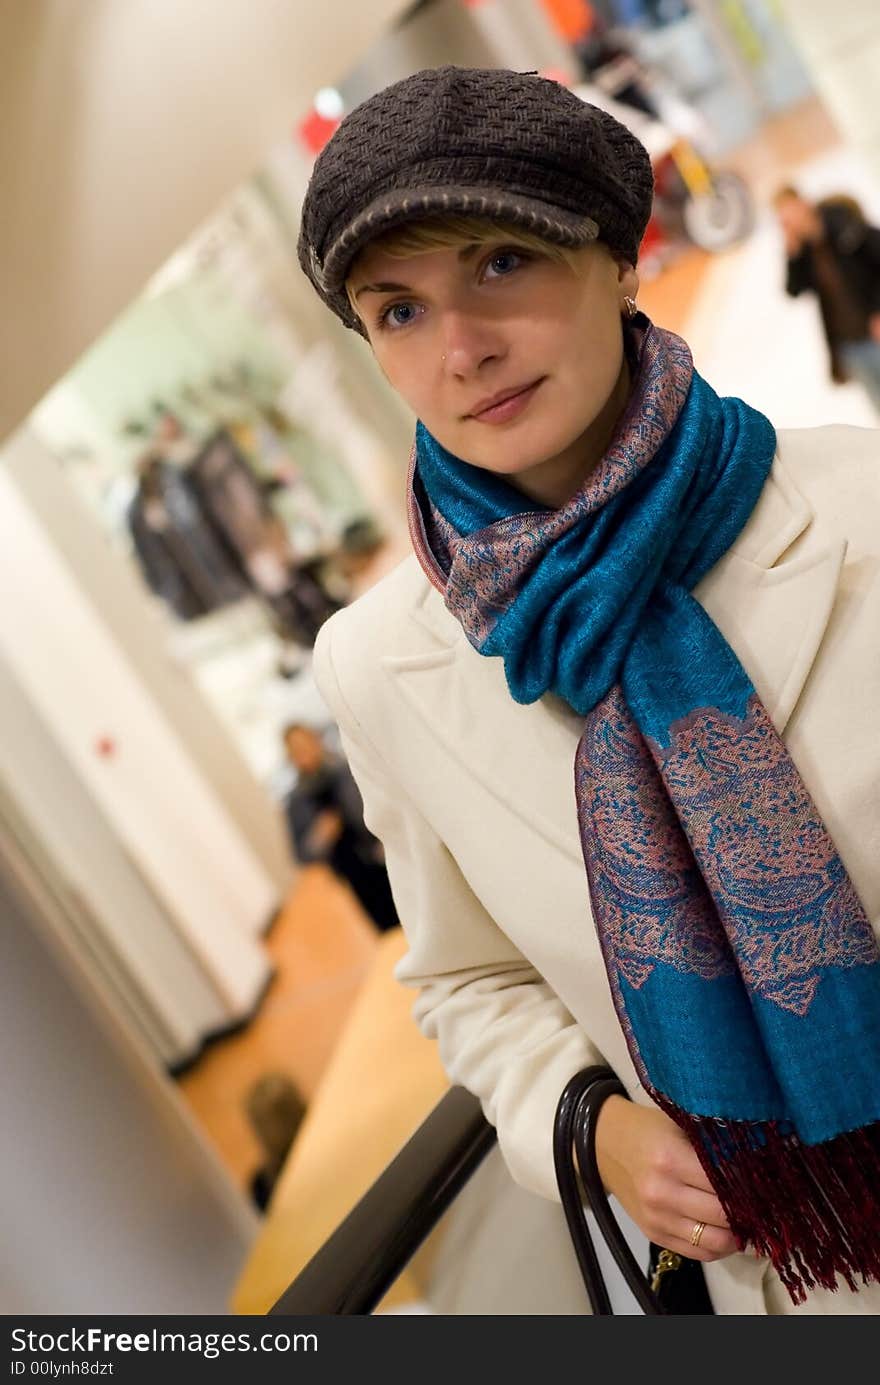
(363, 1257)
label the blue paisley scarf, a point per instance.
(743, 969)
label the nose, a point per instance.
(469, 342)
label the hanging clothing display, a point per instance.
(181, 556)
(235, 503)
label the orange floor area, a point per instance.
(321, 945)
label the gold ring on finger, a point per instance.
(697, 1233)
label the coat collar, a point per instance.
(771, 595)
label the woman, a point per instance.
(620, 574)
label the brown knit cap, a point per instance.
(510, 146)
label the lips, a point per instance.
(501, 397)
(508, 405)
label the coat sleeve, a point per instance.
(872, 257)
(299, 814)
(502, 1032)
(799, 274)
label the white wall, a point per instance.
(112, 1203)
(840, 46)
(124, 938)
(131, 617)
(492, 33)
(172, 825)
(122, 126)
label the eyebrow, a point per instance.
(388, 287)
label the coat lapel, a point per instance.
(771, 596)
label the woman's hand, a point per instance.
(652, 1170)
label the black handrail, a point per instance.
(365, 1254)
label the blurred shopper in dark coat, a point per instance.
(182, 559)
(325, 822)
(832, 251)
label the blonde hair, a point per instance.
(443, 233)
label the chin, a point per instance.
(514, 455)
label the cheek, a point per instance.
(593, 359)
(408, 376)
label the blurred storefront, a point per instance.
(218, 454)
(733, 64)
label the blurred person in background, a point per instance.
(615, 719)
(325, 822)
(275, 1109)
(833, 252)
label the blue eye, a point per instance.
(387, 320)
(505, 255)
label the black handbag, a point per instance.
(673, 1284)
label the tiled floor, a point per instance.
(322, 944)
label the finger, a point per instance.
(699, 1206)
(715, 1242)
(690, 1171)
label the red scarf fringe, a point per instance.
(812, 1210)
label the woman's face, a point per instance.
(453, 329)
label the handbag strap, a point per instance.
(574, 1152)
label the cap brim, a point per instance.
(545, 219)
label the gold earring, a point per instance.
(631, 306)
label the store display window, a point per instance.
(248, 523)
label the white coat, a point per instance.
(473, 797)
